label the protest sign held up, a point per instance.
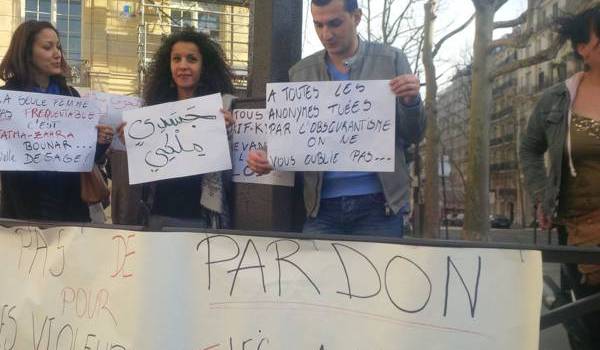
(249, 133)
(86, 288)
(176, 139)
(336, 126)
(112, 107)
(43, 132)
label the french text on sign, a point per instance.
(215, 291)
(45, 132)
(249, 134)
(311, 125)
(111, 107)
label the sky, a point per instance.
(452, 13)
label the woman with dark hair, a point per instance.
(566, 124)
(188, 64)
(35, 62)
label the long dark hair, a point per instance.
(577, 28)
(16, 66)
(215, 76)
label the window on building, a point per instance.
(562, 71)
(528, 83)
(65, 15)
(209, 24)
(68, 23)
(39, 10)
(181, 16)
(541, 80)
(555, 10)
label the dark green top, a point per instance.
(580, 195)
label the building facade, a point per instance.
(109, 43)
(528, 84)
(504, 170)
(453, 113)
(514, 97)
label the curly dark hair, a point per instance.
(16, 65)
(215, 77)
(578, 28)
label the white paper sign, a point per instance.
(125, 290)
(112, 106)
(335, 126)
(249, 134)
(46, 132)
(176, 139)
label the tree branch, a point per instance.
(512, 23)
(541, 56)
(520, 40)
(438, 46)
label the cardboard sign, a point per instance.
(78, 288)
(45, 132)
(331, 126)
(176, 139)
(249, 134)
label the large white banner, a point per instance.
(112, 106)
(81, 288)
(333, 125)
(46, 132)
(248, 135)
(176, 139)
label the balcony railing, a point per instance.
(503, 166)
(80, 73)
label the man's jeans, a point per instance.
(356, 215)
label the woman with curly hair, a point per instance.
(566, 125)
(35, 62)
(188, 64)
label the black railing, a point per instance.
(503, 166)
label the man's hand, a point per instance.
(228, 116)
(258, 162)
(407, 87)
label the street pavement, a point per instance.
(554, 338)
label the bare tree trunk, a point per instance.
(432, 185)
(477, 203)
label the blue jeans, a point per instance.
(366, 215)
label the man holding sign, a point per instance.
(357, 202)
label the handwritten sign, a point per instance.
(176, 139)
(46, 132)
(249, 134)
(111, 107)
(122, 290)
(336, 126)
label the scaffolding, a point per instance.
(227, 22)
